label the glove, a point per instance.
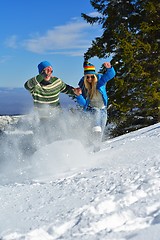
(39, 78)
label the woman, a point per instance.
(92, 96)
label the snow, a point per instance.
(64, 191)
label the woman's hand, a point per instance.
(107, 65)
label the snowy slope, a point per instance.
(68, 193)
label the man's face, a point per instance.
(47, 73)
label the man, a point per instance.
(45, 90)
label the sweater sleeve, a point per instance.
(67, 89)
(31, 83)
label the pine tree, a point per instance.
(131, 37)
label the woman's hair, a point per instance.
(91, 87)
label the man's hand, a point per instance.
(77, 91)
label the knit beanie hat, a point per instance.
(43, 65)
(88, 68)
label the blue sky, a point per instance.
(36, 30)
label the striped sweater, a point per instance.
(46, 94)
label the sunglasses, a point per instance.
(92, 77)
(45, 72)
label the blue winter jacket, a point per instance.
(101, 87)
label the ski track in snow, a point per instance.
(114, 197)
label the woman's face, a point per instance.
(90, 77)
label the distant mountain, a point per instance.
(14, 101)
(18, 101)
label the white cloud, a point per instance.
(95, 14)
(73, 36)
(73, 39)
(5, 58)
(11, 42)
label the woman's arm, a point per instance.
(81, 100)
(110, 73)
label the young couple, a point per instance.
(91, 95)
